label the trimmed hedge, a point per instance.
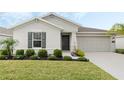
(52, 57)
(42, 53)
(57, 53)
(82, 59)
(19, 57)
(121, 51)
(29, 52)
(67, 58)
(33, 57)
(20, 52)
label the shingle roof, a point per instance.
(4, 31)
(52, 13)
(87, 29)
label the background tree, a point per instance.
(117, 29)
(8, 44)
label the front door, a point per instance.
(65, 42)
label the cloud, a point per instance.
(11, 18)
(1, 13)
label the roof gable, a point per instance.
(61, 17)
(36, 19)
(4, 31)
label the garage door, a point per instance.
(94, 43)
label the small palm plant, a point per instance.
(8, 44)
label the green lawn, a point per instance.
(51, 70)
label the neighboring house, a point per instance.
(120, 42)
(4, 33)
(55, 32)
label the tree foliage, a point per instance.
(117, 29)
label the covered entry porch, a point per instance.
(68, 41)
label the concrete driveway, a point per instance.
(112, 63)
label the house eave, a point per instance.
(52, 13)
(35, 18)
(92, 32)
(95, 35)
(5, 35)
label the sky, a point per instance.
(101, 20)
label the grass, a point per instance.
(51, 70)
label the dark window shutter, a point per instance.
(29, 39)
(43, 39)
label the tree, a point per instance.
(8, 44)
(117, 29)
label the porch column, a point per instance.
(73, 41)
(113, 41)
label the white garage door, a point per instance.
(94, 43)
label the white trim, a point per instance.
(101, 30)
(36, 40)
(90, 32)
(51, 24)
(20, 23)
(5, 35)
(35, 18)
(94, 35)
(45, 15)
(53, 13)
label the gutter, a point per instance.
(5, 35)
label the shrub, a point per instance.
(29, 52)
(33, 57)
(52, 57)
(4, 52)
(121, 51)
(19, 57)
(20, 52)
(42, 53)
(83, 59)
(67, 58)
(58, 53)
(3, 57)
(80, 53)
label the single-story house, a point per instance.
(52, 31)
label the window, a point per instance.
(36, 39)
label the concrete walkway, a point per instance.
(110, 62)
